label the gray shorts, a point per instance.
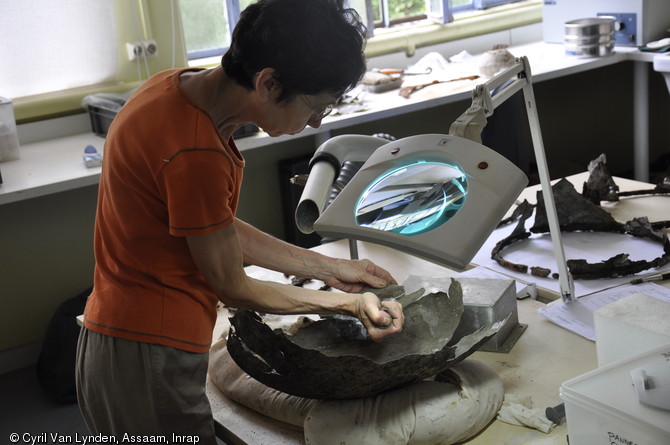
(132, 388)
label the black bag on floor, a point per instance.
(56, 363)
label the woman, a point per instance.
(167, 242)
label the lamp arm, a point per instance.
(471, 123)
(324, 169)
(567, 285)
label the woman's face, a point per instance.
(294, 116)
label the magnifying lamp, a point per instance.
(436, 196)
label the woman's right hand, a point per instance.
(379, 323)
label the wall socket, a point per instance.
(142, 48)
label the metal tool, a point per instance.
(651, 278)
(385, 309)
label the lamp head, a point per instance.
(435, 196)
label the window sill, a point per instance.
(466, 25)
(62, 103)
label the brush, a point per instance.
(659, 277)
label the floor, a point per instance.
(26, 409)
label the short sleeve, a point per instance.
(200, 189)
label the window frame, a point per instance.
(484, 4)
(443, 15)
(466, 23)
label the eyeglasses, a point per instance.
(319, 113)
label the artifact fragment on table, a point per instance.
(322, 361)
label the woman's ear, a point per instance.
(267, 86)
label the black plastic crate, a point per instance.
(101, 119)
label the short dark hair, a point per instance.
(314, 46)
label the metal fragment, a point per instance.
(319, 362)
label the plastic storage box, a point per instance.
(9, 139)
(602, 406)
(102, 108)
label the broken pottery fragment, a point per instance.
(326, 360)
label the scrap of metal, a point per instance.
(582, 212)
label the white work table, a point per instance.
(544, 357)
(55, 165)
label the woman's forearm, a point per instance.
(264, 250)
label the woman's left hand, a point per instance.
(356, 275)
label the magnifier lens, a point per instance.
(413, 199)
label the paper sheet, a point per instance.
(578, 315)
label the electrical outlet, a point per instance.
(150, 48)
(135, 50)
(142, 48)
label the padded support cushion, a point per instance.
(455, 406)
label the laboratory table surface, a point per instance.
(544, 357)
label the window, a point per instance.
(207, 24)
(390, 12)
(51, 46)
(205, 27)
(387, 13)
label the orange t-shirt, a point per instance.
(166, 175)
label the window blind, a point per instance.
(49, 46)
